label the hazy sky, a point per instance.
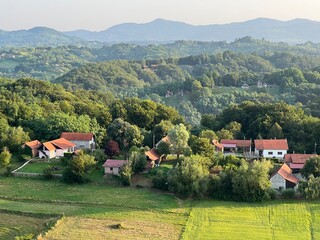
(101, 14)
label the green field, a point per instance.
(38, 167)
(92, 210)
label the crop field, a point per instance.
(96, 211)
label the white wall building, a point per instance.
(271, 148)
(81, 140)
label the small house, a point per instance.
(113, 167)
(271, 148)
(81, 140)
(234, 145)
(153, 157)
(218, 146)
(297, 161)
(33, 146)
(283, 178)
(56, 148)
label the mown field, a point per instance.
(92, 211)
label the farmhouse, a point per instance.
(271, 148)
(56, 148)
(283, 178)
(113, 167)
(81, 140)
(33, 146)
(153, 157)
(297, 161)
(235, 145)
(218, 146)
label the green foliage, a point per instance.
(5, 157)
(311, 167)
(138, 161)
(160, 180)
(163, 148)
(202, 146)
(190, 179)
(209, 134)
(310, 189)
(47, 173)
(125, 175)
(178, 137)
(288, 193)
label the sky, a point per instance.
(98, 15)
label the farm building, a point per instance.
(218, 146)
(283, 178)
(81, 140)
(33, 146)
(113, 167)
(56, 148)
(297, 161)
(234, 145)
(153, 157)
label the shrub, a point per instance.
(288, 193)
(47, 173)
(160, 180)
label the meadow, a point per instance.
(99, 211)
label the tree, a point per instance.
(163, 148)
(211, 135)
(161, 129)
(125, 134)
(112, 149)
(178, 137)
(276, 131)
(75, 171)
(5, 157)
(125, 174)
(190, 179)
(235, 128)
(202, 146)
(224, 134)
(312, 166)
(138, 161)
(311, 188)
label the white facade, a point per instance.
(44, 153)
(84, 144)
(112, 170)
(278, 182)
(279, 154)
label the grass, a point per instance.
(274, 220)
(38, 167)
(13, 224)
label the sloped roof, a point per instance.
(286, 173)
(271, 144)
(74, 136)
(152, 154)
(49, 146)
(238, 143)
(217, 144)
(114, 163)
(298, 158)
(63, 143)
(296, 165)
(35, 144)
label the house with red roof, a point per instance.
(235, 145)
(217, 146)
(33, 146)
(297, 161)
(283, 178)
(56, 148)
(271, 148)
(81, 140)
(113, 167)
(153, 158)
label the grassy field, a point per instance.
(91, 211)
(38, 167)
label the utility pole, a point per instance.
(315, 147)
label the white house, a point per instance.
(56, 148)
(113, 167)
(81, 140)
(283, 178)
(271, 148)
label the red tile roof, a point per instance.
(298, 158)
(296, 165)
(271, 144)
(152, 154)
(35, 144)
(73, 136)
(217, 144)
(58, 143)
(49, 146)
(238, 143)
(286, 173)
(114, 163)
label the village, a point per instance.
(285, 176)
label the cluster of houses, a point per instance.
(69, 142)
(287, 176)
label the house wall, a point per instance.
(274, 153)
(49, 154)
(84, 144)
(114, 171)
(277, 181)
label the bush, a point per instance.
(272, 193)
(288, 193)
(160, 180)
(47, 173)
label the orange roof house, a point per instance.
(297, 161)
(218, 146)
(33, 145)
(56, 148)
(271, 148)
(82, 140)
(153, 157)
(283, 178)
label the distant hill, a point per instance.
(293, 31)
(38, 36)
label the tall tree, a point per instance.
(311, 167)
(5, 157)
(112, 149)
(178, 137)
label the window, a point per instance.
(270, 153)
(279, 153)
(111, 169)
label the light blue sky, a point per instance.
(101, 14)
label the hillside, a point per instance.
(160, 30)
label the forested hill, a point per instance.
(52, 62)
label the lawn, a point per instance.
(14, 224)
(38, 167)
